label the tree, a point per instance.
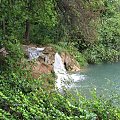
(20, 18)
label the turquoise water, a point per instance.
(103, 78)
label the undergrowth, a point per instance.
(24, 98)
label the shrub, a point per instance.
(22, 97)
(98, 53)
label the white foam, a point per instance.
(40, 49)
(34, 53)
(77, 77)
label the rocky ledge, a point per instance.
(45, 59)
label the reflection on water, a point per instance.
(105, 78)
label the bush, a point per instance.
(98, 53)
(25, 98)
(69, 48)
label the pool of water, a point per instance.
(104, 78)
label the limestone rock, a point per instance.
(3, 54)
(49, 52)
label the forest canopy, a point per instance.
(51, 21)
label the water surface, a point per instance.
(104, 78)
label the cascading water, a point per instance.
(60, 71)
(58, 65)
(34, 53)
(63, 78)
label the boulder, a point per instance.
(70, 63)
(41, 68)
(3, 52)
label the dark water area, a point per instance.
(103, 78)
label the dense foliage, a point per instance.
(31, 20)
(24, 98)
(91, 26)
(107, 48)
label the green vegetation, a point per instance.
(31, 20)
(88, 30)
(107, 48)
(94, 28)
(69, 48)
(22, 97)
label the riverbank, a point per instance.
(24, 97)
(86, 30)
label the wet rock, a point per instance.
(49, 53)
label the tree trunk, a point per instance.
(4, 28)
(27, 31)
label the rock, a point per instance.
(3, 52)
(70, 63)
(41, 68)
(49, 53)
(44, 63)
(25, 50)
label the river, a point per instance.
(103, 78)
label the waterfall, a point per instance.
(64, 79)
(58, 65)
(60, 71)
